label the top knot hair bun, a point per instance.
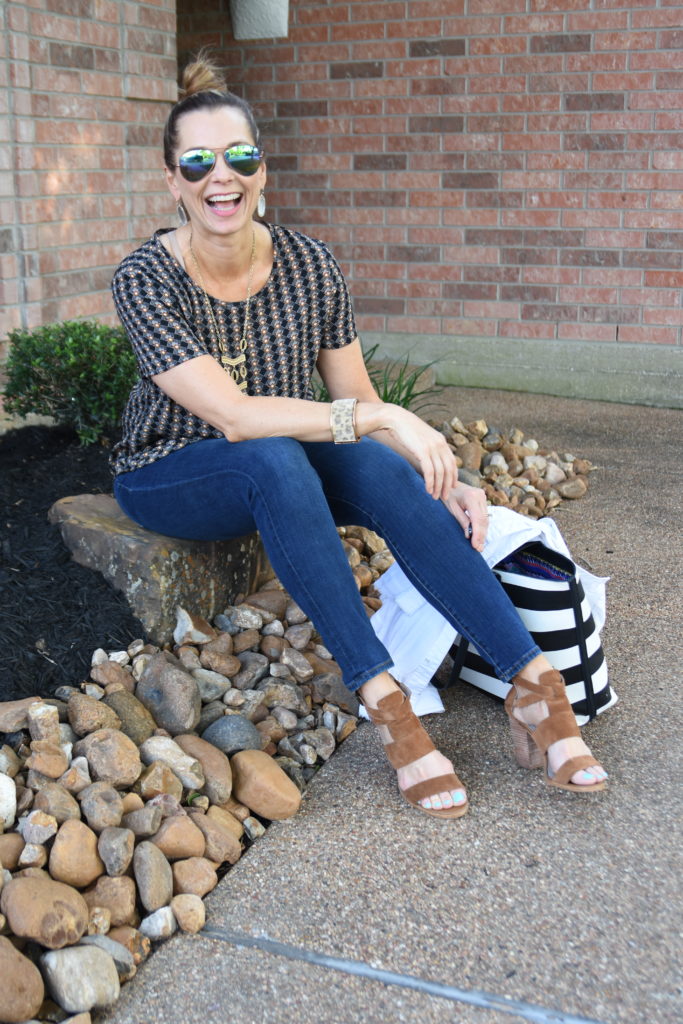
(203, 87)
(202, 75)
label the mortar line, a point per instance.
(475, 997)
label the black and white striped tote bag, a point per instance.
(544, 587)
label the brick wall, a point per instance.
(507, 169)
(85, 88)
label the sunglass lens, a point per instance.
(245, 160)
(196, 163)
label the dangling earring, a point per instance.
(261, 205)
(182, 214)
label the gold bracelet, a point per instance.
(343, 421)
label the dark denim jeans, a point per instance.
(295, 494)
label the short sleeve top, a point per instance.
(304, 306)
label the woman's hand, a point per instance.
(426, 448)
(468, 505)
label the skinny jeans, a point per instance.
(295, 494)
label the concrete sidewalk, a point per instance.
(564, 902)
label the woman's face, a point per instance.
(224, 201)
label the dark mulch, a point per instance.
(54, 613)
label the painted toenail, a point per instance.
(458, 796)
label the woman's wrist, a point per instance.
(372, 416)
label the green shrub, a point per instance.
(78, 371)
(394, 381)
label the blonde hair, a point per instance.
(203, 87)
(203, 74)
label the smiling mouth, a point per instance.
(225, 202)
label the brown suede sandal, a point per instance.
(531, 742)
(409, 741)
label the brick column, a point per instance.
(88, 85)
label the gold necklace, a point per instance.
(237, 366)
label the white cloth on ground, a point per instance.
(418, 637)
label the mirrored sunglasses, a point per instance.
(195, 164)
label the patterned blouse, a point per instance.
(304, 306)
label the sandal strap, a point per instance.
(409, 740)
(560, 722)
(432, 787)
(571, 766)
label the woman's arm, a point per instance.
(345, 374)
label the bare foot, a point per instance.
(424, 768)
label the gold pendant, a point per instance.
(237, 369)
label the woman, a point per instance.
(228, 317)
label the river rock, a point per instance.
(109, 672)
(297, 664)
(122, 957)
(299, 636)
(43, 722)
(76, 777)
(226, 820)
(283, 695)
(211, 712)
(179, 838)
(170, 694)
(221, 843)
(143, 822)
(161, 924)
(11, 845)
(136, 721)
(99, 921)
(294, 615)
(254, 828)
(8, 802)
(261, 784)
(192, 629)
(153, 876)
(58, 802)
(272, 601)
(329, 687)
(248, 639)
(117, 895)
(81, 978)
(115, 846)
(87, 715)
(189, 912)
(162, 748)
(22, 991)
(215, 766)
(101, 805)
(322, 740)
(272, 646)
(74, 858)
(212, 685)
(168, 804)
(574, 487)
(232, 733)
(254, 667)
(14, 714)
(133, 940)
(33, 856)
(274, 628)
(112, 757)
(37, 827)
(195, 875)
(10, 764)
(158, 778)
(44, 910)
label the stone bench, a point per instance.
(154, 572)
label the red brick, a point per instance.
(562, 43)
(526, 329)
(663, 316)
(587, 332)
(648, 335)
(356, 69)
(379, 50)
